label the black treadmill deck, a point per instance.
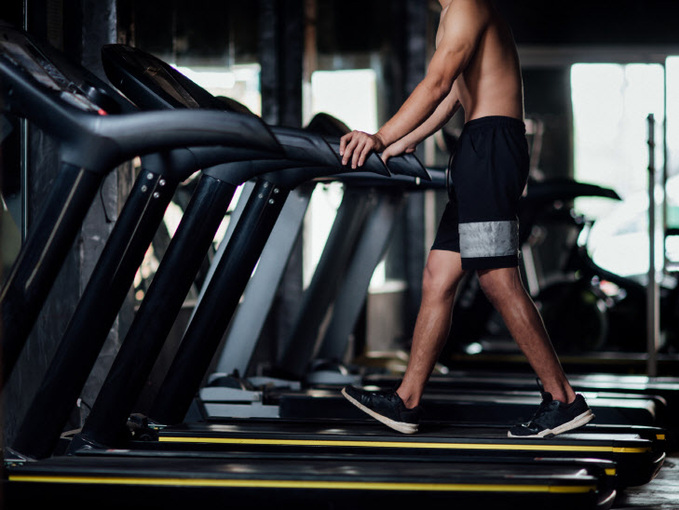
(492, 407)
(638, 458)
(174, 479)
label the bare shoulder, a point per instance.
(469, 10)
(467, 18)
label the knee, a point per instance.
(500, 285)
(491, 290)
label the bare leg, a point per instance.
(506, 292)
(442, 275)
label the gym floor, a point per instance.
(660, 494)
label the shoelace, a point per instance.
(545, 405)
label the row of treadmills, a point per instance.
(275, 443)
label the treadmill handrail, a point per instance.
(98, 141)
(364, 179)
(156, 130)
(303, 145)
(154, 84)
(408, 164)
(373, 163)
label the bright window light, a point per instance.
(238, 82)
(351, 97)
(611, 104)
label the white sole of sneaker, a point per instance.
(399, 426)
(576, 422)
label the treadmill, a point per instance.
(495, 403)
(303, 154)
(665, 388)
(410, 180)
(340, 284)
(314, 481)
(117, 396)
(96, 132)
(650, 447)
(172, 478)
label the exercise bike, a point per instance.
(586, 307)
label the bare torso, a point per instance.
(491, 82)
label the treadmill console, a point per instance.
(31, 63)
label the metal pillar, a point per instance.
(281, 54)
(652, 287)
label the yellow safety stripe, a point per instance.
(396, 444)
(303, 484)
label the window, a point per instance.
(611, 104)
(351, 97)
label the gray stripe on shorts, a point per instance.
(489, 239)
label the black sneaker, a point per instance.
(386, 407)
(554, 417)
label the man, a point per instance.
(475, 67)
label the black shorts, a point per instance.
(487, 176)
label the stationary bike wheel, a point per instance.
(575, 316)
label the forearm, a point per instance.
(418, 109)
(445, 110)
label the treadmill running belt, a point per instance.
(638, 459)
(174, 481)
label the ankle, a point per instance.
(563, 395)
(410, 399)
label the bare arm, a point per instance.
(445, 110)
(462, 27)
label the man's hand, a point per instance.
(397, 148)
(355, 147)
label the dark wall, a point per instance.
(547, 96)
(587, 22)
(213, 32)
(12, 11)
(208, 27)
